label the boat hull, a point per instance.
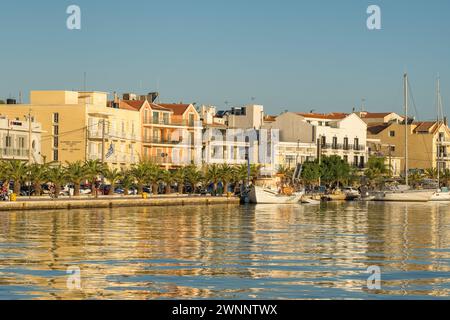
(260, 195)
(440, 196)
(407, 196)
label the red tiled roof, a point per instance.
(178, 109)
(330, 116)
(132, 105)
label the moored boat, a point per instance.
(265, 195)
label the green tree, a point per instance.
(334, 170)
(37, 175)
(213, 175)
(311, 173)
(139, 173)
(58, 177)
(226, 176)
(153, 176)
(179, 176)
(127, 181)
(17, 171)
(76, 174)
(94, 169)
(167, 177)
(113, 176)
(193, 177)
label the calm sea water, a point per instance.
(221, 252)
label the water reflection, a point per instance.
(263, 252)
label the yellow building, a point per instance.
(81, 126)
(426, 143)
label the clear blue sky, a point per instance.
(296, 55)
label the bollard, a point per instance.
(13, 197)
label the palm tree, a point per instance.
(37, 175)
(113, 176)
(193, 177)
(58, 176)
(17, 171)
(226, 176)
(94, 168)
(168, 178)
(179, 176)
(153, 176)
(127, 180)
(213, 175)
(431, 173)
(445, 177)
(139, 173)
(76, 173)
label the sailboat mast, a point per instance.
(439, 124)
(406, 126)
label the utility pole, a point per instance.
(406, 128)
(319, 155)
(29, 136)
(103, 140)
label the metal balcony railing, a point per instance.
(11, 152)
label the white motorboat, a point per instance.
(262, 195)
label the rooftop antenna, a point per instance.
(363, 102)
(20, 97)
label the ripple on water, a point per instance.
(220, 252)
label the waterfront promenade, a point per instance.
(44, 203)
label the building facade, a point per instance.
(16, 141)
(80, 126)
(427, 142)
(344, 135)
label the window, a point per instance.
(55, 155)
(355, 161)
(8, 142)
(155, 117)
(324, 141)
(55, 130)
(145, 116)
(21, 143)
(191, 119)
(392, 133)
(56, 118)
(362, 162)
(346, 143)
(392, 148)
(335, 142)
(166, 118)
(55, 142)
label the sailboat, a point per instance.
(404, 193)
(442, 194)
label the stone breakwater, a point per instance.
(68, 204)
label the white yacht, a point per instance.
(404, 193)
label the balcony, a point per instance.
(14, 153)
(159, 141)
(172, 123)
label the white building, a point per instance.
(230, 136)
(15, 140)
(336, 133)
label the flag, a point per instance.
(110, 151)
